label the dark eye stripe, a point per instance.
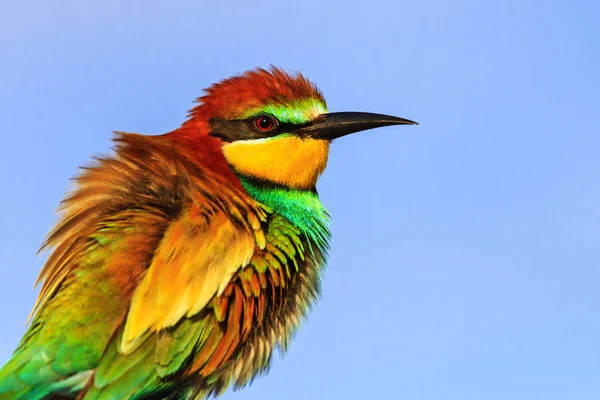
(246, 129)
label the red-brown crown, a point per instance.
(233, 97)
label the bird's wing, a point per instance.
(176, 323)
(195, 260)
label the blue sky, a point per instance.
(465, 259)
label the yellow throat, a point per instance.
(285, 159)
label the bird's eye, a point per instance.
(264, 123)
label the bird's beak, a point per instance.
(334, 125)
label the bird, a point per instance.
(181, 262)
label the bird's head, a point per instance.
(274, 127)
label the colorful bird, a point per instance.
(182, 261)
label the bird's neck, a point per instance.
(301, 207)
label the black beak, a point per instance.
(334, 125)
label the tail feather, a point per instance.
(16, 382)
(31, 377)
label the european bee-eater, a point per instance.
(183, 260)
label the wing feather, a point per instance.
(194, 262)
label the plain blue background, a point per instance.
(465, 259)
